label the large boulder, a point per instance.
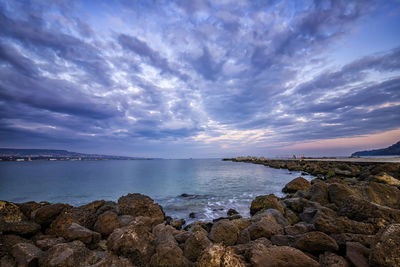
(135, 241)
(224, 231)
(195, 244)
(46, 214)
(316, 243)
(386, 250)
(318, 192)
(68, 255)
(296, 184)
(106, 223)
(26, 254)
(78, 232)
(261, 203)
(382, 194)
(141, 205)
(219, 255)
(339, 192)
(276, 256)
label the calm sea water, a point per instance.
(215, 185)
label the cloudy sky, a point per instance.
(200, 78)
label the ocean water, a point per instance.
(214, 185)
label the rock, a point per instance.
(338, 192)
(46, 214)
(265, 227)
(106, 223)
(78, 232)
(195, 245)
(218, 255)
(28, 207)
(261, 203)
(26, 254)
(135, 241)
(181, 236)
(291, 216)
(283, 240)
(141, 205)
(329, 259)
(113, 261)
(282, 256)
(20, 228)
(225, 232)
(251, 248)
(243, 237)
(296, 184)
(125, 220)
(92, 207)
(386, 250)
(108, 206)
(168, 254)
(279, 218)
(387, 179)
(47, 243)
(363, 210)
(231, 212)
(357, 254)
(177, 224)
(319, 192)
(316, 243)
(10, 213)
(298, 229)
(7, 261)
(69, 255)
(342, 238)
(192, 215)
(381, 194)
(84, 216)
(8, 241)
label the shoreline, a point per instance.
(349, 215)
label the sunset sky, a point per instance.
(196, 78)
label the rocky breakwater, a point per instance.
(331, 221)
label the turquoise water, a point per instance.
(214, 185)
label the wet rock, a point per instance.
(135, 241)
(69, 255)
(339, 192)
(125, 220)
(265, 227)
(195, 245)
(10, 213)
(231, 212)
(316, 242)
(106, 223)
(261, 203)
(218, 255)
(282, 256)
(296, 184)
(387, 179)
(357, 254)
(329, 259)
(46, 214)
(78, 232)
(141, 205)
(20, 228)
(26, 254)
(225, 232)
(386, 250)
(47, 243)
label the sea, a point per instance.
(212, 186)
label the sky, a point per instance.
(198, 78)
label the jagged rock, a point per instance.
(135, 241)
(69, 255)
(265, 227)
(225, 232)
(339, 192)
(218, 255)
(329, 259)
(387, 179)
(357, 254)
(195, 245)
(106, 223)
(316, 242)
(141, 205)
(282, 256)
(46, 214)
(296, 184)
(26, 254)
(47, 243)
(261, 203)
(10, 213)
(20, 228)
(78, 232)
(386, 250)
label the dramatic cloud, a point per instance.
(197, 78)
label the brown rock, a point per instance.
(108, 206)
(182, 236)
(296, 184)
(283, 240)
(339, 192)
(218, 255)
(134, 241)
(113, 261)
(343, 238)
(84, 216)
(382, 194)
(20, 228)
(68, 255)
(319, 192)
(8, 241)
(386, 250)
(7, 261)
(47, 243)
(357, 254)
(329, 259)
(195, 245)
(298, 229)
(282, 256)
(225, 232)
(265, 227)
(106, 223)
(141, 205)
(261, 203)
(168, 254)
(125, 220)
(10, 213)
(251, 248)
(386, 179)
(26, 254)
(92, 207)
(78, 232)
(46, 214)
(316, 243)
(28, 207)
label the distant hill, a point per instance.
(54, 153)
(392, 150)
